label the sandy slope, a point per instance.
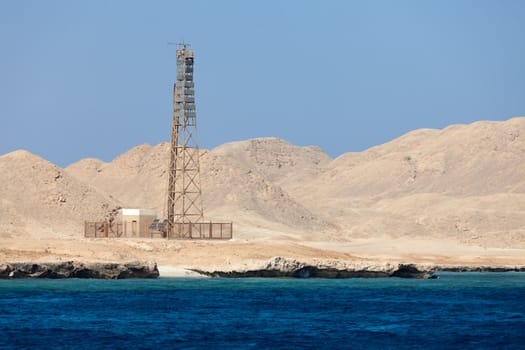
(466, 182)
(40, 200)
(234, 188)
(455, 195)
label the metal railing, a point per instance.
(197, 230)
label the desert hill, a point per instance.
(277, 160)
(477, 159)
(456, 194)
(39, 199)
(235, 179)
(463, 182)
(136, 177)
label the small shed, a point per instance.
(135, 222)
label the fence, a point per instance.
(197, 230)
(202, 230)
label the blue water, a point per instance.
(460, 310)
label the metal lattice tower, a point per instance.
(184, 189)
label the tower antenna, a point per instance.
(184, 204)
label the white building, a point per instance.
(135, 222)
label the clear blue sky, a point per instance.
(94, 78)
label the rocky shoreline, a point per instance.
(481, 268)
(283, 267)
(73, 269)
(273, 268)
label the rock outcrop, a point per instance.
(481, 268)
(283, 267)
(72, 269)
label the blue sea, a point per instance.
(457, 311)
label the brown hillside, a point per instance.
(39, 199)
(465, 181)
(451, 196)
(235, 182)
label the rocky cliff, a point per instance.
(283, 267)
(72, 269)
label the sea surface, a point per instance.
(457, 311)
